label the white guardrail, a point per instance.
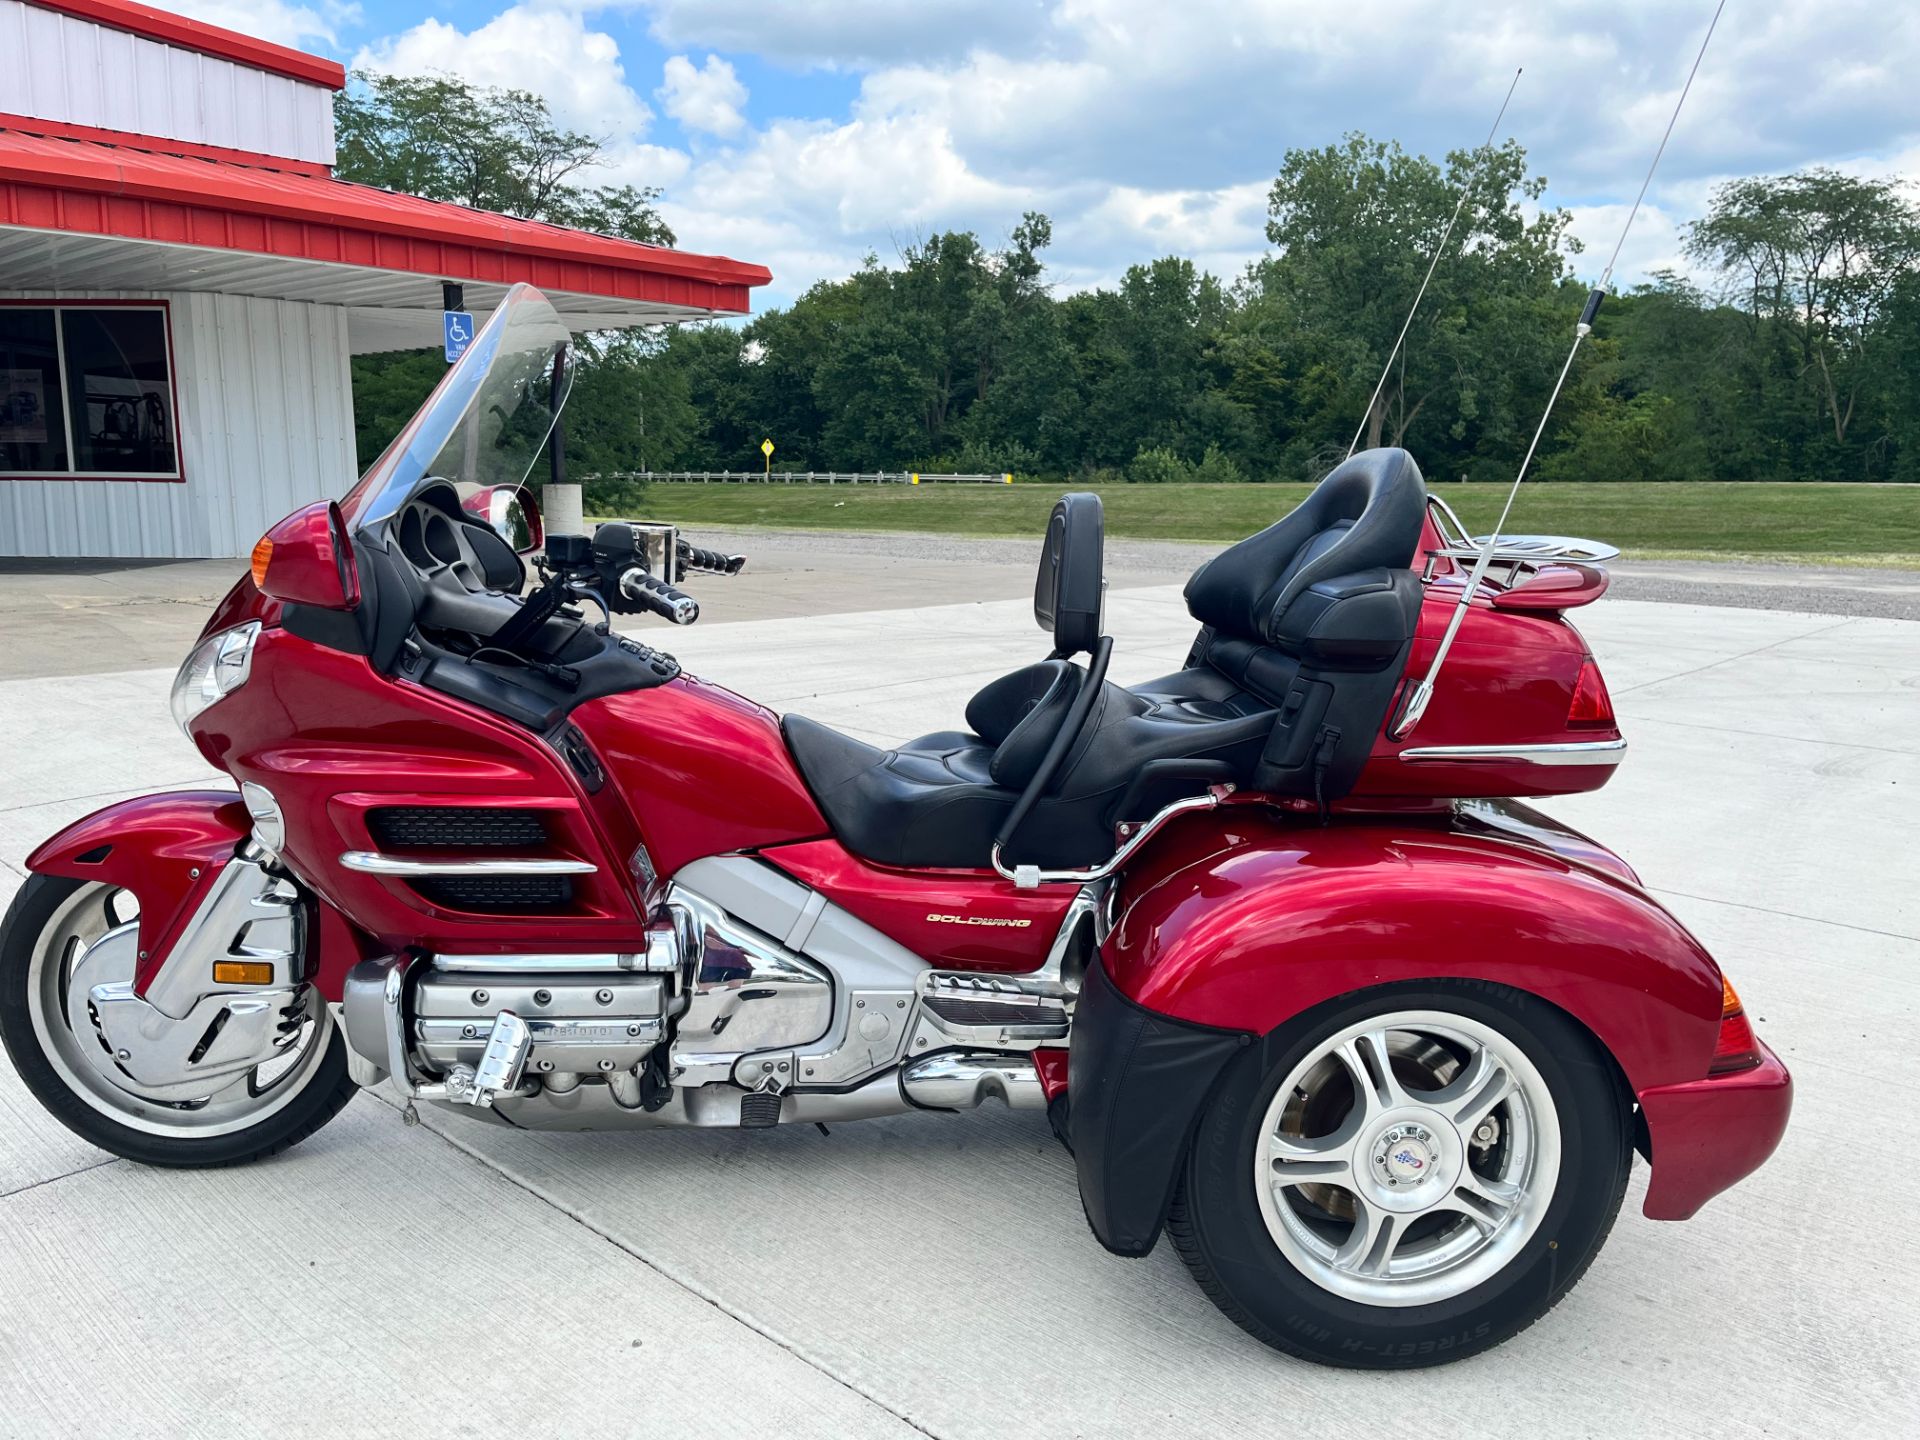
(799, 477)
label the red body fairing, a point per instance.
(334, 741)
(707, 771)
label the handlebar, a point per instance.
(713, 562)
(649, 592)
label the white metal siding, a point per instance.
(59, 67)
(266, 425)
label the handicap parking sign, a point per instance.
(457, 327)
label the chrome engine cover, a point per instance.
(582, 1023)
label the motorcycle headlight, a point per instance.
(219, 665)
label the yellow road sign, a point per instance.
(766, 448)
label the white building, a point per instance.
(182, 281)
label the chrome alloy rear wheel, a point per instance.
(1405, 1175)
(54, 1040)
(1407, 1158)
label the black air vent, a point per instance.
(397, 829)
(497, 894)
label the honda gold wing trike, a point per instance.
(1288, 969)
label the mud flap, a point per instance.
(1136, 1082)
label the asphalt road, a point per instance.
(932, 1275)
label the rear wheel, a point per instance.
(1405, 1176)
(48, 930)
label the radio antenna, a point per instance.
(1421, 695)
(1440, 249)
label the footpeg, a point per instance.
(759, 1110)
(501, 1066)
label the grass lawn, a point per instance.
(1846, 524)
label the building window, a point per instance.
(86, 392)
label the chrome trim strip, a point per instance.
(372, 862)
(591, 962)
(1573, 752)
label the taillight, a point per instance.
(1735, 1048)
(1591, 703)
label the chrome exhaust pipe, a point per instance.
(962, 1082)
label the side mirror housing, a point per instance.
(307, 560)
(511, 512)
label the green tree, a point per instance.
(1815, 258)
(1355, 224)
(492, 149)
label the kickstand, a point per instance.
(820, 1125)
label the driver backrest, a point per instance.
(1367, 514)
(1070, 588)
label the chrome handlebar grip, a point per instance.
(650, 592)
(711, 562)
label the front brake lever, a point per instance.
(584, 590)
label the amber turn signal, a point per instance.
(1734, 1048)
(262, 553)
(242, 972)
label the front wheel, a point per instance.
(48, 931)
(1405, 1176)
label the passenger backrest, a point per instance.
(1366, 515)
(1069, 591)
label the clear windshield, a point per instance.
(485, 421)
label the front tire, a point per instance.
(1404, 1176)
(49, 926)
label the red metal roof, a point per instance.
(179, 31)
(86, 188)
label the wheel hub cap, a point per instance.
(1406, 1156)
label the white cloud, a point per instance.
(845, 34)
(550, 52)
(705, 99)
(275, 20)
(1145, 127)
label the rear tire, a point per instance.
(1391, 1235)
(40, 931)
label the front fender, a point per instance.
(1232, 924)
(167, 849)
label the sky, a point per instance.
(808, 134)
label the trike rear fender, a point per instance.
(1235, 922)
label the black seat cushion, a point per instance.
(938, 801)
(929, 803)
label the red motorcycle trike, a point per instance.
(1273, 948)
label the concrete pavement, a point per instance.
(933, 1275)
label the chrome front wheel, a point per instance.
(64, 939)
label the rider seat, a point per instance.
(1305, 630)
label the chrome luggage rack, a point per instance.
(1516, 552)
